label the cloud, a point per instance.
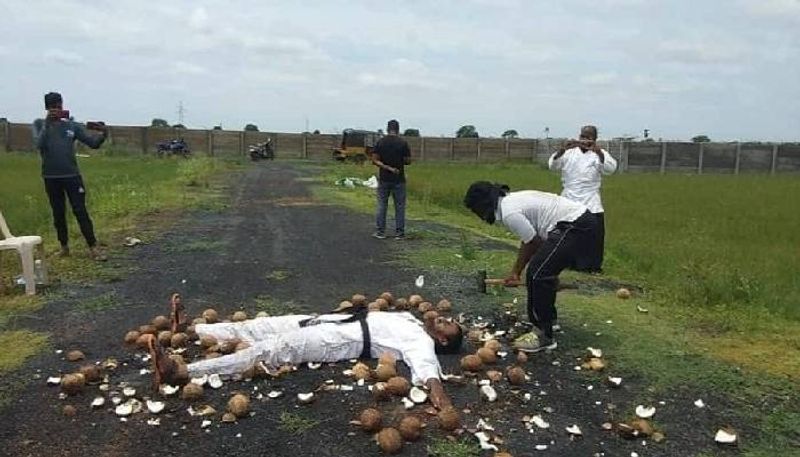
(789, 9)
(400, 73)
(63, 57)
(187, 68)
(198, 20)
(709, 51)
(599, 79)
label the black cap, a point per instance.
(52, 100)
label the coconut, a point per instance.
(238, 405)
(379, 391)
(241, 345)
(206, 341)
(384, 372)
(358, 300)
(494, 375)
(344, 305)
(69, 410)
(398, 385)
(401, 304)
(390, 441)
(493, 345)
(192, 392)
(424, 307)
(417, 395)
(382, 304)
(388, 297)
(370, 420)
(415, 300)
(228, 417)
(444, 306)
(151, 329)
(143, 340)
(199, 320)
(160, 322)
(73, 383)
(487, 355)
(387, 358)
(131, 337)
(239, 316)
(262, 314)
(471, 363)
(522, 357)
(373, 307)
(516, 376)
(430, 316)
(165, 337)
(74, 356)
(361, 371)
(623, 293)
(410, 428)
(91, 373)
(191, 334)
(178, 340)
(449, 419)
(211, 316)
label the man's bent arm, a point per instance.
(439, 397)
(93, 141)
(524, 255)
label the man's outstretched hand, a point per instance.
(438, 396)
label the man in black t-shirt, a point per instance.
(391, 155)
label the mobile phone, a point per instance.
(96, 125)
(61, 114)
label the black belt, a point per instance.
(361, 316)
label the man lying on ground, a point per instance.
(296, 339)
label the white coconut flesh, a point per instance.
(200, 380)
(155, 407)
(205, 423)
(407, 403)
(98, 402)
(214, 381)
(168, 390)
(116, 400)
(274, 394)
(725, 437)
(483, 425)
(483, 441)
(154, 421)
(574, 430)
(539, 422)
(489, 393)
(645, 412)
(129, 391)
(614, 381)
(54, 380)
(314, 366)
(594, 352)
(305, 397)
(417, 395)
(699, 403)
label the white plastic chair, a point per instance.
(24, 245)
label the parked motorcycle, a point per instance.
(177, 147)
(262, 151)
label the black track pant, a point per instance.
(58, 190)
(590, 259)
(562, 247)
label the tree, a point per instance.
(159, 123)
(411, 132)
(509, 134)
(467, 131)
(251, 128)
(701, 139)
(217, 127)
(179, 126)
(316, 132)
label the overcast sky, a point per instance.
(726, 68)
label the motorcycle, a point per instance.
(262, 151)
(177, 147)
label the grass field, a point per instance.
(715, 256)
(120, 190)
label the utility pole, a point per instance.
(181, 112)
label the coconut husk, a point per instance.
(385, 372)
(75, 356)
(410, 428)
(211, 316)
(207, 341)
(358, 300)
(415, 300)
(401, 304)
(471, 363)
(388, 297)
(444, 306)
(72, 384)
(361, 371)
(178, 340)
(449, 419)
(91, 373)
(516, 376)
(424, 307)
(487, 355)
(160, 322)
(239, 316)
(370, 420)
(131, 337)
(165, 338)
(493, 345)
(383, 305)
(192, 392)
(398, 386)
(390, 441)
(148, 329)
(387, 358)
(239, 405)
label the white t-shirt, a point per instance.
(530, 213)
(581, 175)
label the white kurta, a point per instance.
(280, 340)
(581, 175)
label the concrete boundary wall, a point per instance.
(658, 157)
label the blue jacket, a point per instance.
(55, 140)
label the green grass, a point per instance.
(121, 191)
(446, 448)
(98, 303)
(19, 344)
(295, 424)
(278, 275)
(713, 254)
(275, 308)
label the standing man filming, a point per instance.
(55, 137)
(391, 155)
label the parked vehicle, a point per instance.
(262, 151)
(177, 147)
(356, 145)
